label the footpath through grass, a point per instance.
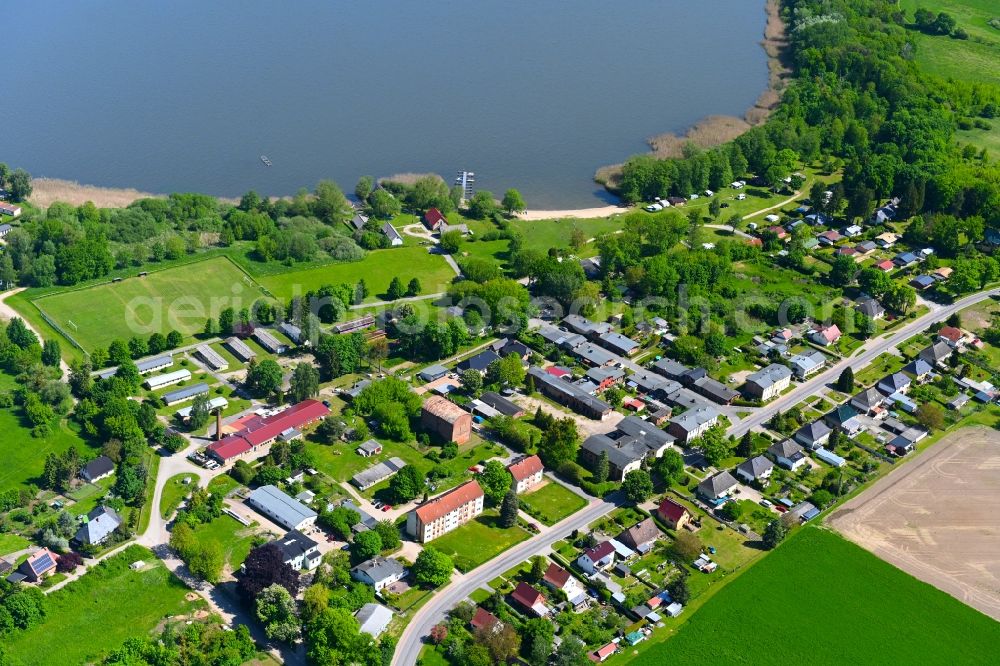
(823, 600)
(96, 613)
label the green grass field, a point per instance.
(174, 491)
(235, 539)
(478, 541)
(976, 58)
(24, 456)
(175, 298)
(377, 269)
(820, 599)
(99, 611)
(552, 502)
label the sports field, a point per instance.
(377, 268)
(819, 599)
(175, 298)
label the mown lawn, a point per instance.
(848, 602)
(10, 543)
(552, 502)
(174, 491)
(377, 269)
(174, 298)
(235, 539)
(99, 611)
(478, 541)
(24, 456)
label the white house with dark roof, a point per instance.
(717, 486)
(99, 468)
(813, 435)
(379, 572)
(767, 382)
(299, 551)
(788, 454)
(756, 468)
(807, 364)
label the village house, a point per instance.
(845, 418)
(897, 382)
(788, 454)
(557, 578)
(38, 565)
(480, 362)
(867, 401)
(813, 435)
(825, 335)
(918, 368)
(594, 355)
(768, 382)
(445, 512)
(99, 468)
(379, 572)
(951, 335)
(299, 551)
(632, 442)
(936, 353)
(433, 219)
(485, 621)
(447, 420)
(100, 523)
(530, 599)
(887, 239)
(871, 308)
(717, 486)
(757, 468)
(673, 514)
(692, 423)
(641, 536)
(527, 473)
(597, 558)
(583, 326)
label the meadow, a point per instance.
(99, 611)
(551, 503)
(96, 315)
(479, 541)
(819, 599)
(377, 268)
(24, 455)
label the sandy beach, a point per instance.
(580, 213)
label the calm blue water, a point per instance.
(185, 95)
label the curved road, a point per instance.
(411, 641)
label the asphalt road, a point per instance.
(411, 641)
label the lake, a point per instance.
(186, 95)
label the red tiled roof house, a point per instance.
(527, 473)
(445, 512)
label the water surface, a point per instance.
(187, 94)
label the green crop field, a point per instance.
(24, 456)
(552, 502)
(175, 298)
(377, 269)
(99, 611)
(819, 599)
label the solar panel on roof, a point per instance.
(43, 562)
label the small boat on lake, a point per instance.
(267, 162)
